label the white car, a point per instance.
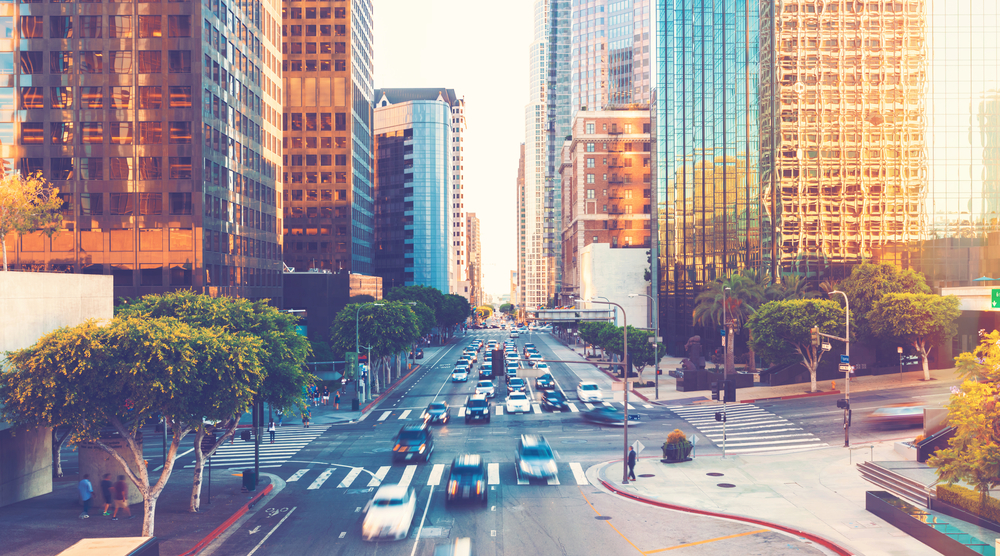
(589, 392)
(460, 374)
(518, 402)
(390, 513)
(486, 387)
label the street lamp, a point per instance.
(729, 340)
(847, 375)
(625, 375)
(654, 340)
(609, 302)
(357, 341)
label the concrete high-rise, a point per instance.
(458, 254)
(159, 123)
(475, 259)
(327, 61)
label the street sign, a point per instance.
(845, 368)
(827, 346)
(352, 364)
(996, 298)
(633, 417)
(638, 446)
(844, 358)
(617, 386)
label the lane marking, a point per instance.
(385, 415)
(461, 411)
(587, 406)
(647, 406)
(493, 473)
(416, 539)
(707, 541)
(553, 480)
(499, 409)
(407, 475)
(581, 477)
(346, 483)
(342, 534)
(572, 407)
(436, 472)
(607, 404)
(298, 475)
(321, 479)
(609, 523)
(628, 405)
(269, 533)
(536, 408)
(520, 480)
(379, 476)
(404, 414)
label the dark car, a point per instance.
(437, 412)
(467, 480)
(545, 382)
(516, 385)
(605, 416)
(554, 400)
(414, 442)
(477, 407)
(420, 353)
(534, 458)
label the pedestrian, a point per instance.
(121, 498)
(305, 419)
(326, 396)
(631, 463)
(315, 396)
(271, 430)
(86, 494)
(336, 400)
(281, 416)
(106, 493)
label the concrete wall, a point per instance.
(33, 304)
(615, 273)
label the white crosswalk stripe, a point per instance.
(436, 472)
(572, 407)
(536, 408)
(346, 482)
(647, 406)
(748, 429)
(321, 479)
(240, 453)
(493, 473)
(346, 477)
(581, 477)
(461, 411)
(629, 406)
(499, 409)
(404, 414)
(298, 475)
(408, 475)
(385, 415)
(379, 476)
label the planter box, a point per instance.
(677, 452)
(907, 450)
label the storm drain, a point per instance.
(726, 485)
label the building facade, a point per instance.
(327, 63)
(458, 254)
(159, 124)
(413, 186)
(475, 259)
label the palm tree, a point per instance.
(714, 305)
(792, 286)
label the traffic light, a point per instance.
(729, 391)
(715, 391)
(720, 416)
(814, 335)
(843, 404)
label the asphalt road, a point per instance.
(328, 484)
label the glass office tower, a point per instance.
(158, 122)
(707, 195)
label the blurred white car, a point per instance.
(390, 513)
(589, 392)
(486, 387)
(518, 402)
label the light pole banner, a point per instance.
(352, 364)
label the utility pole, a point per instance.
(846, 405)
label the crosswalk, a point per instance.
(287, 442)
(346, 476)
(500, 409)
(749, 429)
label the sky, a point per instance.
(479, 49)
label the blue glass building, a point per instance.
(412, 156)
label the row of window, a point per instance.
(93, 241)
(92, 26)
(119, 168)
(119, 98)
(123, 204)
(119, 62)
(314, 48)
(313, 13)
(312, 160)
(315, 177)
(312, 141)
(313, 65)
(312, 121)
(232, 244)
(229, 276)
(310, 30)
(315, 195)
(321, 231)
(119, 133)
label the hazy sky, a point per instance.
(480, 49)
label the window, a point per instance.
(32, 133)
(179, 61)
(91, 168)
(180, 169)
(92, 62)
(60, 27)
(149, 61)
(59, 62)
(180, 273)
(121, 98)
(150, 168)
(62, 133)
(150, 204)
(590, 147)
(179, 25)
(91, 133)
(590, 163)
(341, 121)
(121, 204)
(30, 165)
(340, 48)
(590, 193)
(590, 178)
(180, 97)
(150, 98)
(180, 133)
(121, 133)
(31, 62)
(92, 97)
(91, 204)
(149, 26)
(340, 65)
(590, 127)
(31, 98)
(62, 168)
(180, 203)
(150, 133)
(90, 27)
(121, 61)
(121, 168)
(119, 27)
(31, 27)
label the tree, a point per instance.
(89, 376)
(425, 318)
(389, 329)
(919, 319)
(506, 308)
(27, 203)
(868, 283)
(640, 350)
(984, 361)
(363, 298)
(590, 333)
(782, 327)
(973, 454)
(455, 309)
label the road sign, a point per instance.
(845, 368)
(996, 298)
(633, 417)
(827, 346)
(638, 446)
(844, 358)
(617, 386)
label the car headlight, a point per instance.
(422, 446)
(550, 467)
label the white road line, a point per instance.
(416, 538)
(537, 408)
(461, 411)
(581, 477)
(298, 475)
(647, 406)
(346, 483)
(385, 415)
(499, 410)
(321, 479)
(553, 480)
(262, 541)
(572, 407)
(629, 406)
(607, 404)
(404, 414)
(407, 475)
(520, 480)
(587, 406)
(436, 472)
(363, 417)
(379, 476)
(493, 473)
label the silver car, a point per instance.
(486, 387)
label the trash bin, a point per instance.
(245, 435)
(249, 480)
(355, 405)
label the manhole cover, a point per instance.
(602, 517)
(726, 485)
(714, 474)
(434, 533)
(647, 475)
(574, 441)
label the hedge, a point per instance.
(968, 500)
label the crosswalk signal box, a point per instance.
(715, 391)
(729, 391)
(720, 416)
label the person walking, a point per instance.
(631, 463)
(106, 493)
(86, 494)
(305, 419)
(121, 498)
(271, 430)
(281, 416)
(336, 400)
(326, 396)
(315, 396)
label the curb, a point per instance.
(792, 396)
(826, 543)
(390, 389)
(227, 523)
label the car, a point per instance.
(554, 400)
(437, 412)
(542, 367)
(414, 442)
(516, 385)
(534, 458)
(545, 382)
(418, 354)
(470, 355)
(390, 513)
(511, 372)
(477, 408)
(460, 374)
(486, 387)
(463, 361)
(486, 371)
(605, 416)
(518, 402)
(467, 479)
(898, 415)
(589, 392)
(530, 346)
(534, 358)
(514, 334)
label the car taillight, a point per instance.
(479, 487)
(395, 448)
(422, 446)
(452, 487)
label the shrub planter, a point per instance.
(677, 451)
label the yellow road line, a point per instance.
(706, 541)
(609, 523)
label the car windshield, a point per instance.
(436, 407)
(554, 395)
(477, 403)
(588, 387)
(389, 502)
(516, 382)
(537, 452)
(518, 396)
(411, 435)
(485, 384)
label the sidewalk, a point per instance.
(817, 491)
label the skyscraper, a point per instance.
(160, 129)
(475, 259)
(327, 124)
(458, 253)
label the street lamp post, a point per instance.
(655, 341)
(357, 344)
(847, 374)
(729, 339)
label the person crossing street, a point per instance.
(631, 463)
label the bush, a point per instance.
(968, 500)
(676, 436)
(918, 439)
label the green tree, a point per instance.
(781, 328)
(389, 329)
(919, 319)
(506, 308)
(984, 361)
(91, 376)
(590, 333)
(973, 454)
(363, 298)
(640, 350)
(321, 351)
(868, 283)
(27, 203)
(425, 318)
(454, 310)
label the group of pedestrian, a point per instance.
(115, 494)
